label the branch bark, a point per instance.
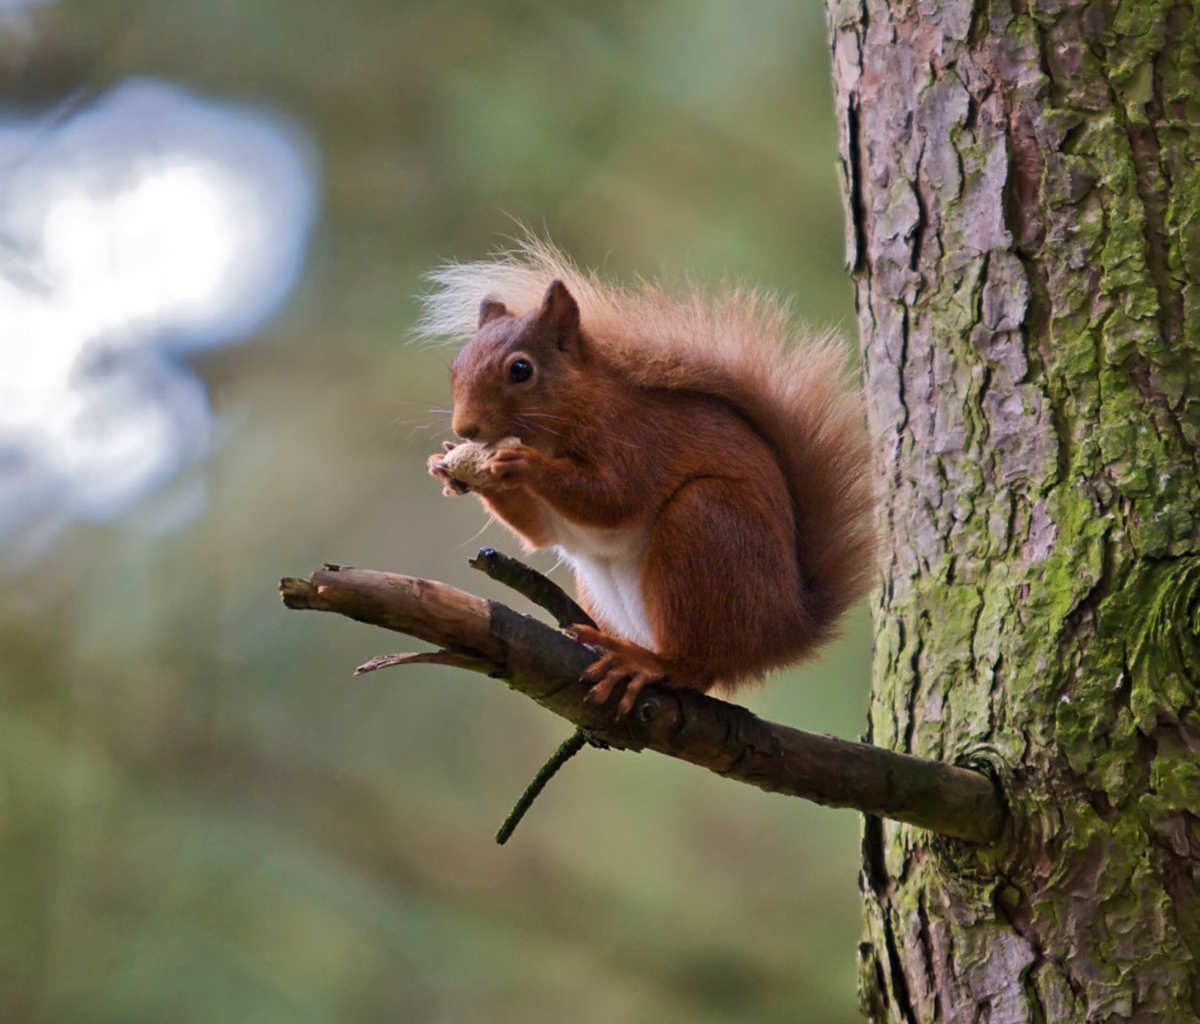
(545, 665)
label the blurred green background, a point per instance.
(202, 816)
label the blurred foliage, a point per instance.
(202, 817)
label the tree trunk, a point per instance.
(1023, 192)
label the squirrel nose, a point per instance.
(467, 431)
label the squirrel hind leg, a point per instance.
(722, 584)
(624, 664)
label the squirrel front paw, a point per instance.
(438, 467)
(508, 467)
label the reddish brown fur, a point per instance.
(745, 462)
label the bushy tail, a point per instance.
(740, 345)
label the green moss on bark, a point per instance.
(1027, 196)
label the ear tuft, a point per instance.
(490, 309)
(560, 316)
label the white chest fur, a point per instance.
(608, 562)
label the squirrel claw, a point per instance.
(632, 689)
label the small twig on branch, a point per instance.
(532, 584)
(728, 739)
(569, 748)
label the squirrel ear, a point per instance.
(491, 308)
(560, 316)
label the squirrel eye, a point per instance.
(520, 371)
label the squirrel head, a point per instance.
(521, 375)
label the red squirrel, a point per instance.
(701, 465)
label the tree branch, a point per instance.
(542, 663)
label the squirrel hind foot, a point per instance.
(613, 670)
(624, 663)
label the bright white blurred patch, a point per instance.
(144, 226)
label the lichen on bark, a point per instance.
(1023, 198)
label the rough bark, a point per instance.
(1023, 186)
